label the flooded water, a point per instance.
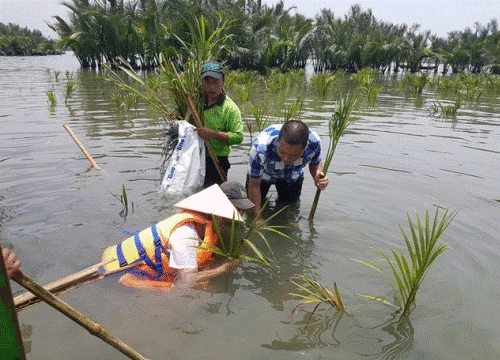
(58, 215)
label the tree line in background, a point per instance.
(258, 37)
(17, 41)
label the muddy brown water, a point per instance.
(58, 215)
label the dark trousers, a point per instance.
(211, 174)
(288, 193)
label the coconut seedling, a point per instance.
(51, 96)
(445, 111)
(123, 199)
(237, 240)
(312, 292)
(408, 271)
(414, 83)
(339, 121)
(366, 80)
(292, 110)
(143, 89)
(323, 83)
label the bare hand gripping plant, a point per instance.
(409, 272)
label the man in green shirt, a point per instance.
(221, 119)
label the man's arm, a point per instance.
(191, 277)
(320, 180)
(254, 194)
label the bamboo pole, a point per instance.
(91, 326)
(198, 122)
(70, 282)
(80, 145)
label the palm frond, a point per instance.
(408, 271)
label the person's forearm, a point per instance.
(315, 169)
(207, 133)
(254, 195)
(221, 136)
(319, 177)
(204, 275)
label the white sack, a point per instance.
(186, 167)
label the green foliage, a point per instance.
(408, 271)
(414, 83)
(51, 96)
(445, 111)
(262, 37)
(125, 101)
(123, 199)
(464, 86)
(340, 120)
(233, 247)
(144, 91)
(312, 292)
(323, 82)
(276, 81)
(366, 79)
(244, 89)
(292, 110)
(261, 119)
(70, 86)
(17, 41)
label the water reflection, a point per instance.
(402, 332)
(313, 330)
(291, 256)
(389, 340)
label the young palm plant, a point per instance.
(339, 121)
(206, 43)
(445, 111)
(232, 247)
(262, 120)
(323, 82)
(409, 272)
(123, 199)
(143, 91)
(315, 293)
(293, 110)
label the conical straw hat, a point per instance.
(211, 201)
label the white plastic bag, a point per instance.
(186, 167)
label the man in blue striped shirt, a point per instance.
(277, 157)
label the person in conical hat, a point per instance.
(170, 249)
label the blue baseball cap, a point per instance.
(213, 69)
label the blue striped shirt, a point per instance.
(264, 162)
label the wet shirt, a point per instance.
(265, 163)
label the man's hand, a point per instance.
(205, 133)
(12, 264)
(321, 181)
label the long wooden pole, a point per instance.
(69, 283)
(198, 122)
(92, 327)
(80, 145)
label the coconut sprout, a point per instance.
(408, 271)
(312, 292)
(339, 121)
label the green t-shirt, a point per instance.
(224, 116)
